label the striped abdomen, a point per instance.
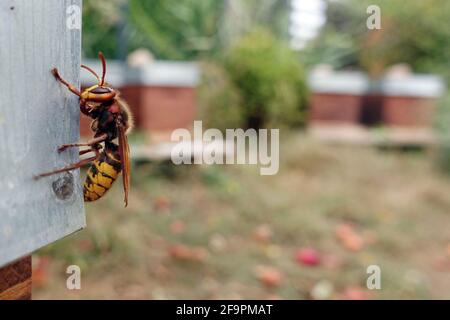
(101, 175)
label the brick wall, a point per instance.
(408, 111)
(396, 101)
(334, 108)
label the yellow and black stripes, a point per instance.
(102, 174)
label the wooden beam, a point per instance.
(15, 280)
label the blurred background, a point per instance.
(364, 158)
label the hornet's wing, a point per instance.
(124, 150)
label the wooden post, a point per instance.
(15, 280)
(36, 116)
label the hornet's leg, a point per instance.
(94, 148)
(85, 151)
(68, 168)
(71, 87)
(90, 143)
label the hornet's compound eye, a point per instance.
(101, 90)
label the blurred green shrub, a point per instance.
(416, 33)
(219, 99)
(176, 29)
(259, 82)
(442, 120)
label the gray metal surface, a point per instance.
(37, 115)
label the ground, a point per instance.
(216, 232)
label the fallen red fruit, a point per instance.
(40, 271)
(308, 257)
(349, 238)
(161, 203)
(269, 276)
(355, 293)
(182, 252)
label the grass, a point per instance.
(206, 232)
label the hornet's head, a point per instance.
(99, 92)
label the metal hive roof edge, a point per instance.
(158, 73)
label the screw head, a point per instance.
(63, 187)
